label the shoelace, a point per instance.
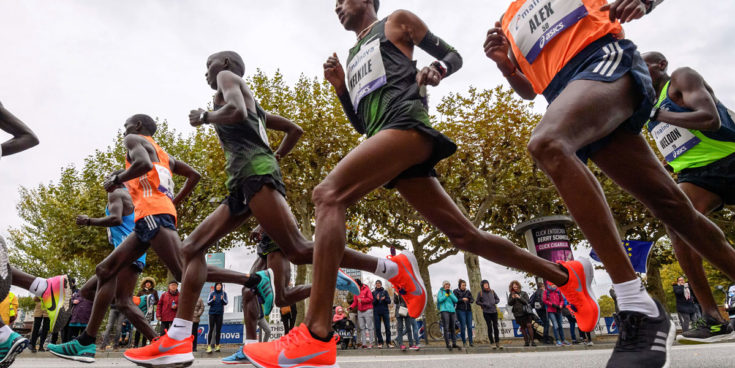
(629, 331)
(294, 337)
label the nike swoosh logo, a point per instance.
(579, 281)
(164, 349)
(417, 287)
(178, 326)
(437, 42)
(285, 362)
(53, 300)
(384, 268)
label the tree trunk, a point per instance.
(430, 314)
(653, 280)
(472, 261)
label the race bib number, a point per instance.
(263, 133)
(673, 141)
(365, 72)
(539, 21)
(166, 181)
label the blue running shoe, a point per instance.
(14, 345)
(346, 283)
(237, 358)
(266, 289)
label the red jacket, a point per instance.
(164, 309)
(364, 301)
(553, 298)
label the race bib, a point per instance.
(673, 141)
(166, 182)
(365, 72)
(539, 21)
(263, 132)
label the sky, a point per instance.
(75, 70)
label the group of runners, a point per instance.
(601, 93)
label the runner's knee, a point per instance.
(300, 255)
(548, 150)
(103, 272)
(326, 195)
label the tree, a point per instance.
(607, 306)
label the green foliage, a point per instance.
(607, 306)
(26, 303)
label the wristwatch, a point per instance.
(654, 113)
(203, 117)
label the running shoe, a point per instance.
(266, 289)
(6, 275)
(73, 350)
(643, 341)
(578, 292)
(710, 331)
(296, 349)
(346, 283)
(56, 298)
(409, 282)
(14, 345)
(163, 352)
(237, 358)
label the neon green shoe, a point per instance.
(73, 350)
(56, 298)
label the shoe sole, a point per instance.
(273, 285)
(233, 363)
(415, 269)
(73, 357)
(351, 281)
(589, 275)
(681, 339)
(669, 342)
(17, 348)
(168, 361)
(253, 362)
(6, 274)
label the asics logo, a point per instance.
(418, 290)
(285, 362)
(579, 281)
(164, 349)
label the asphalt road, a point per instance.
(715, 355)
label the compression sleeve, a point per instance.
(439, 49)
(344, 99)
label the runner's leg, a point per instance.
(284, 295)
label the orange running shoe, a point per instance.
(409, 279)
(578, 292)
(163, 351)
(297, 349)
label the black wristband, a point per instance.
(440, 68)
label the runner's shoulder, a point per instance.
(686, 78)
(403, 17)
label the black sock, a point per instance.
(253, 280)
(324, 339)
(85, 339)
(564, 269)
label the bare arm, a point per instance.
(23, 136)
(627, 10)
(235, 109)
(292, 130)
(192, 178)
(114, 205)
(694, 95)
(497, 48)
(140, 162)
(335, 75)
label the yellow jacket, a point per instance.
(9, 307)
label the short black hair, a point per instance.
(376, 5)
(238, 66)
(148, 123)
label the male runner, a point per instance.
(695, 133)
(149, 179)
(600, 95)
(383, 97)
(54, 292)
(256, 188)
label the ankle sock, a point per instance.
(38, 287)
(252, 281)
(386, 269)
(85, 339)
(632, 296)
(5, 332)
(180, 329)
(323, 339)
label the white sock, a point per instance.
(250, 341)
(38, 287)
(180, 329)
(387, 269)
(632, 296)
(5, 332)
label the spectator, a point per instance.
(684, 303)
(264, 331)
(381, 300)
(554, 302)
(126, 330)
(464, 311)
(521, 307)
(40, 326)
(79, 315)
(405, 321)
(445, 301)
(568, 313)
(217, 300)
(9, 308)
(112, 331)
(198, 311)
(148, 300)
(537, 302)
(363, 303)
(167, 306)
(488, 300)
(288, 317)
(586, 337)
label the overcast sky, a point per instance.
(74, 70)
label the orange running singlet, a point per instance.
(153, 192)
(545, 34)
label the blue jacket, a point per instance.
(380, 306)
(446, 300)
(217, 301)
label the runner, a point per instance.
(149, 179)
(54, 292)
(383, 97)
(256, 188)
(600, 95)
(695, 133)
